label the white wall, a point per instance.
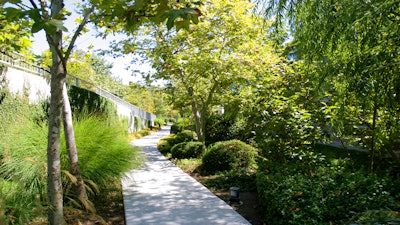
(20, 81)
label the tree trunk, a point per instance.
(78, 186)
(198, 116)
(54, 185)
(58, 73)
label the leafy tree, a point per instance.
(49, 16)
(354, 46)
(211, 59)
(14, 33)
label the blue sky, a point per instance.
(84, 41)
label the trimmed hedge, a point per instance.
(229, 155)
(186, 150)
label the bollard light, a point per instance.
(234, 195)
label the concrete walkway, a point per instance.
(161, 193)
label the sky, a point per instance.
(84, 41)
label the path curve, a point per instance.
(161, 193)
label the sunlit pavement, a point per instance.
(161, 193)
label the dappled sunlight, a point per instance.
(161, 193)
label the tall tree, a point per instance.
(210, 59)
(49, 16)
(354, 45)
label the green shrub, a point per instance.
(185, 136)
(224, 127)
(182, 124)
(229, 155)
(159, 122)
(186, 150)
(324, 194)
(165, 144)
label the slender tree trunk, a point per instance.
(54, 185)
(198, 116)
(78, 186)
(58, 73)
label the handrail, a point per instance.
(19, 61)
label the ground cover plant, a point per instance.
(328, 189)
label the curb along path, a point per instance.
(161, 193)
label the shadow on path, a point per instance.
(161, 193)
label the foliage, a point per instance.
(224, 127)
(186, 150)
(104, 151)
(182, 124)
(353, 47)
(14, 34)
(159, 122)
(204, 64)
(229, 155)
(83, 102)
(23, 157)
(328, 192)
(166, 143)
(185, 136)
(242, 178)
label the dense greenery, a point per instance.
(104, 151)
(328, 190)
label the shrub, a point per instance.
(186, 150)
(224, 127)
(165, 144)
(185, 136)
(229, 155)
(322, 194)
(182, 124)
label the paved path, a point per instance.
(161, 193)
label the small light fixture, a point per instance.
(234, 195)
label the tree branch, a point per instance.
(33, 4)
(77, 32)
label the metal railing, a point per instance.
(20, 62)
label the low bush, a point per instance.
(182, 124)
(166, 143)
(229, 155)
(324, 194)
(186, 150)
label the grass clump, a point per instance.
(104, 151)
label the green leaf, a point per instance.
(37, 26)
(12, 13)
(34, 14)
(10, 1)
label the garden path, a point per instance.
(161, 193)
